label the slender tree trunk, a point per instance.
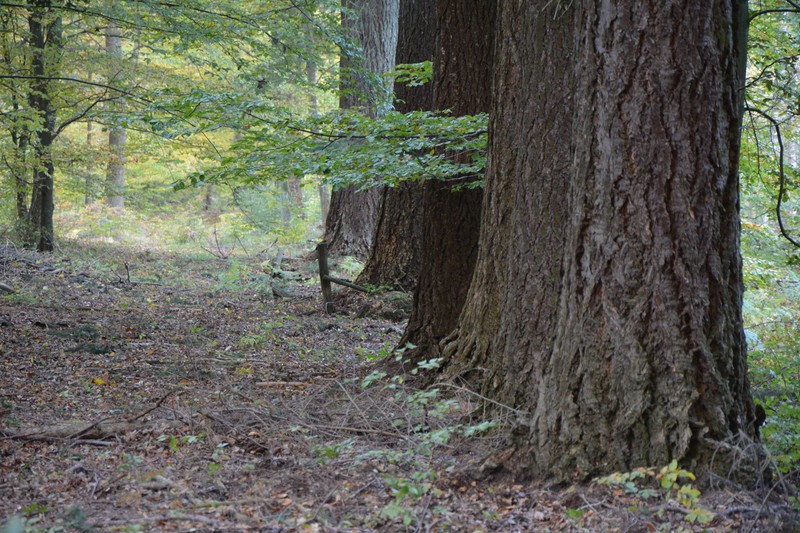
(606, 303)
(350, 224)
(46, 44)
(313, 102)
(117, 135)
(20, 138)
(286, 204)
(89, 197)
(296, 196)
(395, 256)
(209, 197)
(324, 201)
(19, 133)
(451, 222)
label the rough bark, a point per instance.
(395, 256)
(451, 222)
(352, 214)
(609, 280)
(350, 226)
(117, 135)
(524, 207)
(46, 43)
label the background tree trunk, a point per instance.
(18, 91)
(395, 256)
(350, 225)
(117, 135)
(612, 265)
(88, 181)
(352, 216)
(451, 222)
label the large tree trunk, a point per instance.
(395, 256)
(451, 221)
(607, 298)
(524, 206)
(350, 226)
(46, 44)
(117, 135)
(352, 215)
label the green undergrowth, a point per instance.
(425, 421)
(772, 325)
(671, 485)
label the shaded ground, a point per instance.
(141, 392)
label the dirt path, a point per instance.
(183, 394)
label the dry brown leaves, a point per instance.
(195, 401)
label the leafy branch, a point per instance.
(781, 171)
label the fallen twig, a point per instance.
(162, 518)
(156, 406)
(300, 384)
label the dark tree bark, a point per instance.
(352, 214)
(451, 222)
(350, 226)
(117, 135)
(46, 37)
(395, 256)
(606, 303)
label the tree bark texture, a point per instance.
(373, 24)
(46, 43)
(395, 256)
(451, 221)
(352, 214)
(524, 211)
(350, 226)
(117, 135)
(612, 231)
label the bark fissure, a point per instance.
(613, 316)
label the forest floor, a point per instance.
(142, 391)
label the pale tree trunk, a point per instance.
(350, 224)
(606, 303)
(324, 201)
(296, 196)
(451, 221)
(313, 102)
(394, 260)
(286, 204)
(117, 135)
(88, 184)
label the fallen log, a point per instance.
(75, 429)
